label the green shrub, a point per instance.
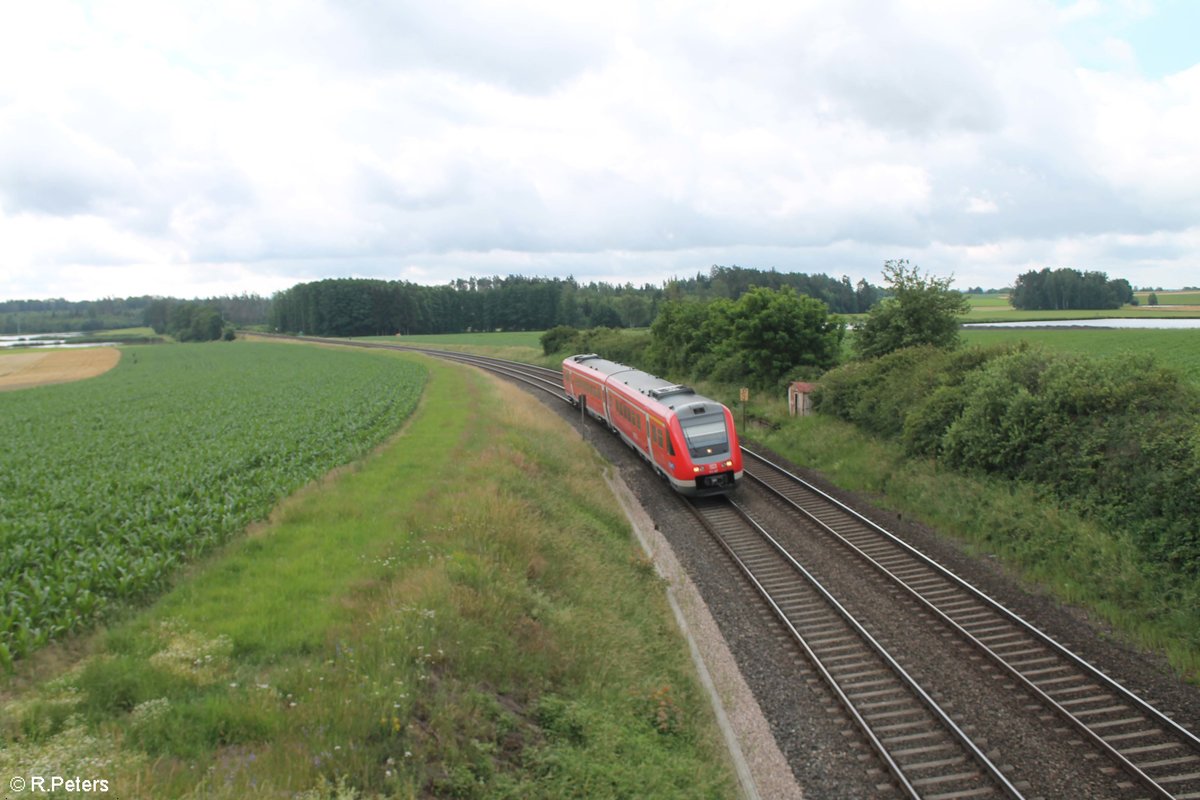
(557, 339)
(1115, 438)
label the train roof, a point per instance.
(674, 396)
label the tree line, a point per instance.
(1066, 288)
(360, 306)
(769, 336)
(366, 307)
(113, 313)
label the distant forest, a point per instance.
(363, 307)
(112, 313)
(1066, 288)
(360, 307)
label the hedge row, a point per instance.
(1114, 438)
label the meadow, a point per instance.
(112, 483)
(1175, 349)
(1187, 297)
(463, 613)
(996, 308)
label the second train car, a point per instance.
(689, 439)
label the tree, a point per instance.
(157, 315)
(781, 333)
(922, 310)
(191, 322)
(766, 336)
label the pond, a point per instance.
(1112, 322)
(47, 340)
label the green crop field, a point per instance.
(1184, 298)
(110, 483)
(996, 308)
(1176, 349)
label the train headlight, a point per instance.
(695, 469)
(729, 463)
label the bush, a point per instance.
(556, 339)
(625, 346)
(764, 339)
(1115, 438)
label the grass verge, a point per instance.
(462, 614)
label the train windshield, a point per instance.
(706, 437)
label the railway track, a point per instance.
(927, 754)
(1161, 758)
(1152, 748)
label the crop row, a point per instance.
(110, 484)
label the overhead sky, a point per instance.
(222, 146)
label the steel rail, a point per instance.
(1032, 657)
(902, 699)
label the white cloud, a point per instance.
(153, 147)
(981, 205)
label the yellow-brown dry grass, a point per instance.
(25, 370)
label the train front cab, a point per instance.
(711, 459)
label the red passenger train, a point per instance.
(689, 439)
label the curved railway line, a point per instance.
(1150, 746)
(927, 752)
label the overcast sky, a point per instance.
(223, 146)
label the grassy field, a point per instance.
(1176, 349)
(988, 301)
(995, 308)
(111, 483)
(1169, 298)
(461, 614)
(515, 345)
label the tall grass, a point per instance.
(463, 614)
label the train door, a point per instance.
(658, 442)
